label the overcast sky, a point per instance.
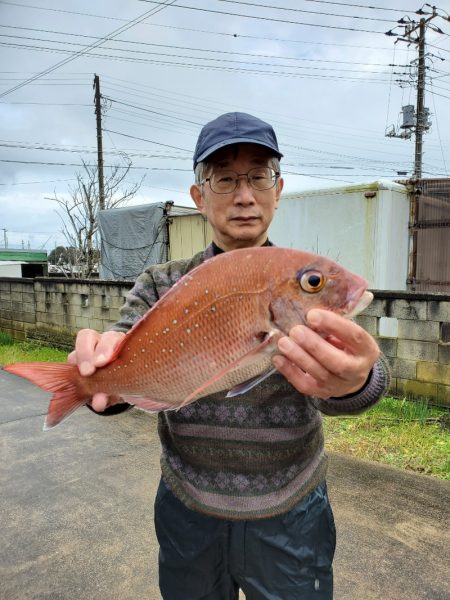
(320, 72)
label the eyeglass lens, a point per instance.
(260, 178)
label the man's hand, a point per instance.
(93, 350)
(331, 357)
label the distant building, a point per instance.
(23, 263)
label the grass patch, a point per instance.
(5, 339)
(406, 434)
(12, 352)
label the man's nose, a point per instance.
(243, 191)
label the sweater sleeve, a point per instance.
(375, 388)
(139, 300)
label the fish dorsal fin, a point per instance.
(265, 347)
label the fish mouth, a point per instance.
(358, 302)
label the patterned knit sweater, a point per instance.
(251, 456)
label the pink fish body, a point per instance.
(215, 329)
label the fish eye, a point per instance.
(312, 281)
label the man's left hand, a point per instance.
(330, 357)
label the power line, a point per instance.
(59, 164)
(188, 48)
(49, 103)
(205, 67)
(301, 10)
(402, 10)
(85, 150)
(114, 33)
(271, 19)
(211, 59)
(145, 140)
(224, 33)
(37, 183)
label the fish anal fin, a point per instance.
(147, 404)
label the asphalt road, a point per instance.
(76, 510)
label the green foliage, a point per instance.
(5, 339)
(12, 352)
(403, 433)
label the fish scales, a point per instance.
(215, 329)
(196, 338)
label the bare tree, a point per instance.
(79, 211)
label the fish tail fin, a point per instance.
(61, 379)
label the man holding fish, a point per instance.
(242, 503)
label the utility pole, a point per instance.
(4, 237)
(98, 112)
(420, 112)
(416, 120)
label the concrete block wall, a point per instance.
(53, 310)
(412, 328)
(413, 331)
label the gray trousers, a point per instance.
(288, 557)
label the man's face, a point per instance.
(239, 219)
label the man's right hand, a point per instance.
(93, 350)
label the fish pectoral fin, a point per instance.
(242, 388)
(265, 347)
(148, 404)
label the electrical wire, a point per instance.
(288, 74)
(187, 48)
(183, 56)
(301, 10)
(404, 10)
(59, 164)
(114, 33)
(271, 19)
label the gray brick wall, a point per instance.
(53, 310)
(419, 353)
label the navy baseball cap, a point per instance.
(234, 128)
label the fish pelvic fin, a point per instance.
(243, 388)
(63, 380)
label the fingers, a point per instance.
(302, 381)
(351, 335)
(93, 349)
(101, 401)
(106, 346)
(300, 356)
(331, 357)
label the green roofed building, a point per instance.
(23, 263)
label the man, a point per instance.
(242, 501)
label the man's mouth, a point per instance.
(241, 219)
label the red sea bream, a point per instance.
(215, 329)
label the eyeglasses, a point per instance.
(225, 182)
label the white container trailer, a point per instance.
(363, 227)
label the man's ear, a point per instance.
(279, 188)
(197, 197)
